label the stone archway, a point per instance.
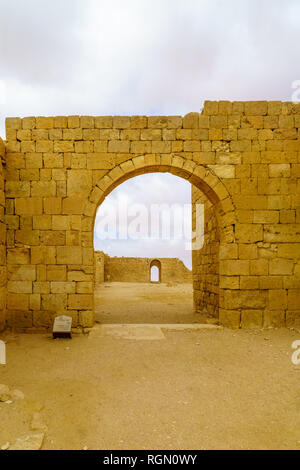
(202, 177)
(155, 264)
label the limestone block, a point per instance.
(19, 287)
(121, 122)
(60, 122)
(52, 205)
(69, 255)
(191, 121)
(249, 282)
(138, 122)
(42, 319)
(80, 301)
(287, 216)
(43, 189)
(248, 251)
(161, 147)
(29, 206)
(247, 299)
(44, 123)
(61, 146)
(28, 123)
(79, 182)
(17, 302)
(256, 108)
(279, 170)
(103, 122)
(223, 171)
(211, 108)
(17, 256)
(294, 299)
(15, 160)
(35, 302)
(53, 237)
(270, 282)
(30, 175)
(266, 217)
(21, 273)
(13, 123)
(229, 282)
(234, 267)
(44, 146)
(273, 318)
(20, 318)
(79, 276)
(141, 147)
(53, 160)
(54, 302)
(230, 318)
(42, 222)
(100, 161)
(277, 299)
(84, 288)
(86, 318)
(17, 189)
(259, 267)
(41, 287)
(289, 250)
(174, 122)
(27, 237)
(34, 160)
(119, 146)
(281, 266)
(293, 318)
(252, 319)
(73, 122)
(151, 134)
(87, 122)
(247, 233)
(62, 287)
(43, 255)
(229, 251)
(56, 273)
(73, 205)
(91, 134)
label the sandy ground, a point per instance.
(207, 389)
(120, 302)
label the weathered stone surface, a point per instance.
(242, 157)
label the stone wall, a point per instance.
(3, 275)
(99, 259)
(206, 260)
(138, 269)
(243, 156)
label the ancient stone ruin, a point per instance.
(242, 159)
(114, 269)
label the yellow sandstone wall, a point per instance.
(3, 276)
(138, 269)
(244, 156)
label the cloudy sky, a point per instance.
(98, 57)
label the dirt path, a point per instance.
(192, 390)
(121, 302)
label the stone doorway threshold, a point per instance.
(145, 331)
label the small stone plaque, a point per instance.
(62, 327)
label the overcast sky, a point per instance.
(96, 57)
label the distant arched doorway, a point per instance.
(155, 271)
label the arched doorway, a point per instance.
(155, 271)
(218, 201)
